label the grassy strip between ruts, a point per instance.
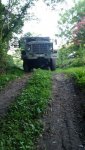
(11, 74)
(78, 73)
(21, 127)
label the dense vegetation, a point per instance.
(78, 73)
(72, 23)
(71, 57)
(71, 60)
(11, 74)
(22, 125)
(12, 17)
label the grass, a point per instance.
(78, 73)
(21, 127)
(11, 74)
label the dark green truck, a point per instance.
(38, 53)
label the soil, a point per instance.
(63, 121)
(10, 92)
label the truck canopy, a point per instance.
(29, 39)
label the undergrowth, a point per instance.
(21, 127)
(78, 73)
(10, 74)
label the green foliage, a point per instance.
(65, 23)
(72, 23)
(21, 127)
(76, 62)
(9, 61)
(65, 60)
(12, 16)
(6, 61)
(11, 74)
(62, 57)
(17, 58)
(78, 73)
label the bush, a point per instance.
(64, 61)
(76, 62)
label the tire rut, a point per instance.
(10, 92)
(60, 121)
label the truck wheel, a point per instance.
(25, 67)
(53, 64)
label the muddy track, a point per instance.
(10, 92)
(60, 120)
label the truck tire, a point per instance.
(53, 64)
(26, 67)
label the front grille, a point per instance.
(39, 48)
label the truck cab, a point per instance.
(38, 53)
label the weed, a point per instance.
(21, 127)
(78, 73)
(11, 74)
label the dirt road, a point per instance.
(61, 128)
(13, 89)
(62, 118)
